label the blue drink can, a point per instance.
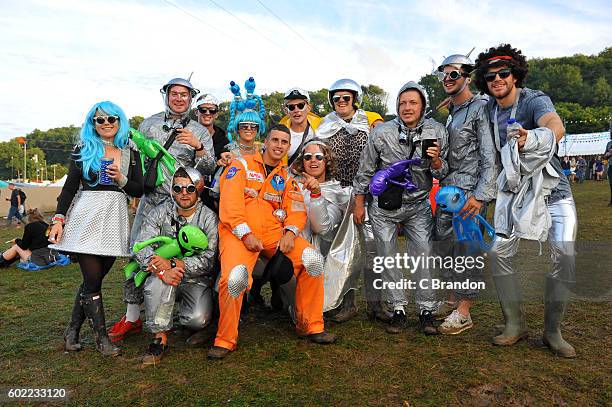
(104, 178)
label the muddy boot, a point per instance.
(347, 308)
(71, 336)
(555, 303)
(94, 309)
(509, 293)
(379, 310)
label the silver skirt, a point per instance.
(97, 224)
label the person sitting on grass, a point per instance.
(32, 247)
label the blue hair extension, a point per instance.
(90, 143)
(249, 85)
(250, 116)
(262, 112)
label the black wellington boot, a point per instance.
(94, 309)
(71, 336)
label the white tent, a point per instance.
(583, 144)
(59, 182)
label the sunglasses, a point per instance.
(104, 119)
(318, 156)
(503, 74)
(452, 75)
(248, 126)
(344, 98)
(299, 106)
(178, 188)
(204, 110)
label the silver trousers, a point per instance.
(561, 236)
(416, 222)
(195, 305)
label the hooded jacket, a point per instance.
(384, 148)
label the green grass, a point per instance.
(272, 367)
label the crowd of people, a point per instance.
(593, 167)
(292, 206)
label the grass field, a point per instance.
(272, 367)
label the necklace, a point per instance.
(108, 143)
(245, 147)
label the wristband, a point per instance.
(57, 218)
(246, 235)
(201, 147)
(318, 195)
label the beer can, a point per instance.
(104, 178)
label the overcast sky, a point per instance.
(60, 57)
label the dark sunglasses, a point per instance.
(104, 119)
(204, 110)
(248, 126)
(503, 74)
(178, 188)
(318, 156)
(344, 98)
(300, 106)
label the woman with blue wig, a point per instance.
(106, 165)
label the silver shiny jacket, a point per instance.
(153, 128)
(384, 148)
(471, 152)
(325, 214)
(163, 220)
(526, 179)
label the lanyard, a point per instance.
(297, 150)
(512, 116)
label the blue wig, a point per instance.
(90, 143)
(251, 109)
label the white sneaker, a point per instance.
(455, 323)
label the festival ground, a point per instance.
(273, 367)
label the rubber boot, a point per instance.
(287, 294)
(555, 303)
(94, 309)
(347, 309)
(509, 293)
(71, 336)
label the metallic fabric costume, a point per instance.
(331, 230)
(158, 127)
(194, 293)
(560, 229)
(391, 142)
(471, 167)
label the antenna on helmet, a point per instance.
(468, 54)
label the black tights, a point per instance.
(94, 268)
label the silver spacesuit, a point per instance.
(389, 143)
(194, 293)
(158, 127)
(472, 167)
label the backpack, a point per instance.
(22, 195)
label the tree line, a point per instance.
(579, 85)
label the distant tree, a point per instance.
(436, 95)
(319, 102)
(375, 99)
(135, 122)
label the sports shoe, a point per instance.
(455, 323)
(155, 352)
(444, 309)
(398, 323)
(322, 338)
(123, 329)
(427, 323)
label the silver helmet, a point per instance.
(182, 82)
(195, 177)
(459, 61)
(345, 84)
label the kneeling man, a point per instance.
(262, 210)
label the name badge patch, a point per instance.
(254, 176)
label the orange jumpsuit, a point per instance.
(249, 197)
